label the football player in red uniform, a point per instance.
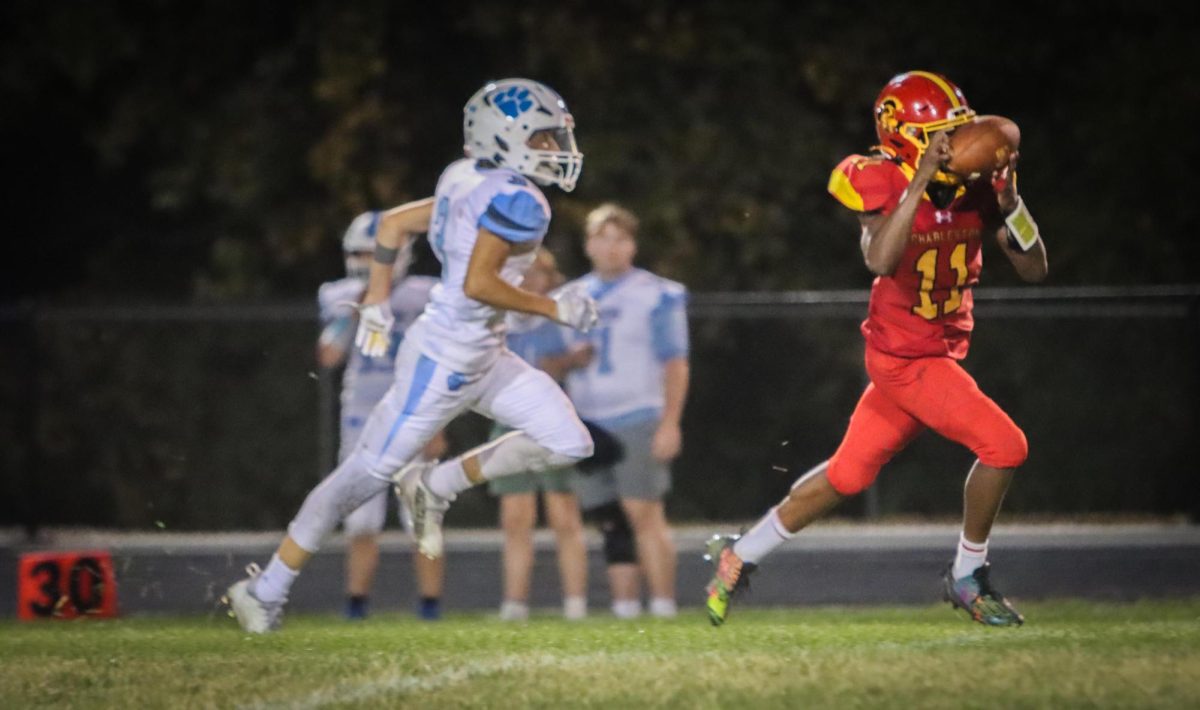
(922, 233)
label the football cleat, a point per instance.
(730, 575)
(422, 506)
(253, 615)
(975, 595)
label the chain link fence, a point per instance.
(213, 418)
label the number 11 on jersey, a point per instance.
(926, 267)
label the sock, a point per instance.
(627, 608)
(429, 608)
(574, 608)
(760, 540)
(273, 584)
(448, 479)
(514, 611)
(663, 608)
(970, 557)
(356, 606)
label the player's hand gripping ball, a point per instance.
(982, 147)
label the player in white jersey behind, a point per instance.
(634, 387)
(485, 223)
(364, 382)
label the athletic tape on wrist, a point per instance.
(1022, 230)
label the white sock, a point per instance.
(627, 608)
(970, 557)
(448, 479)
(663, 608)
(514, 611)
(273, 584)
(760, 540)
(574, 608)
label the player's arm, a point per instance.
(335, 301)
(668, 439)
(560, 365)
(668, 324)
(557, 358)
(334, 342)
(484, 284)
(885, 237)
(1018, 234)
(396, 227)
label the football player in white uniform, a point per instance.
(485, 223)
(364, 382)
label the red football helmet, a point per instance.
(912, 106)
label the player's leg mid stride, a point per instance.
(730, 575)
(975, 595)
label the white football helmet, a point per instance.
(500, 120)
(358, 244)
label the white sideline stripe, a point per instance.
(405, 684)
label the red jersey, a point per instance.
(924, 307)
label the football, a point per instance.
(983, 146)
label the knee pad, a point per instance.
(1006, 450)
(619, 547)
(850, 476)
(516, 452)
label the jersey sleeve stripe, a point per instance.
(843, 190)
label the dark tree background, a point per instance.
(213, 152)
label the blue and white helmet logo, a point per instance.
(513, 101)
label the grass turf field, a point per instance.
(1069, 654)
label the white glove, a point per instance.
(576, 309)
(374, 329)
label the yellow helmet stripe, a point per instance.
(950, 93)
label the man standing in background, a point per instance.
(634, 386)
(540, 342)
(364, 383)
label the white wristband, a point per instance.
(1022, 230)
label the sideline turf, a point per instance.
(1069, 654)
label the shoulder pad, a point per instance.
(863, 183)
(516, 216)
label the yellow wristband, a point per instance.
(1022, 230)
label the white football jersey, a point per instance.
(456, 331)
(366, 379)
(643, 324)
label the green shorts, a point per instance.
(549, 481)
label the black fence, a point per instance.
(198, 417)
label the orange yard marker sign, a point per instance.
(66, 585)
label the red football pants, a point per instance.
(905, 397)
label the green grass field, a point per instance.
(1069, 654)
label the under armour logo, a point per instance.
(943, 217)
